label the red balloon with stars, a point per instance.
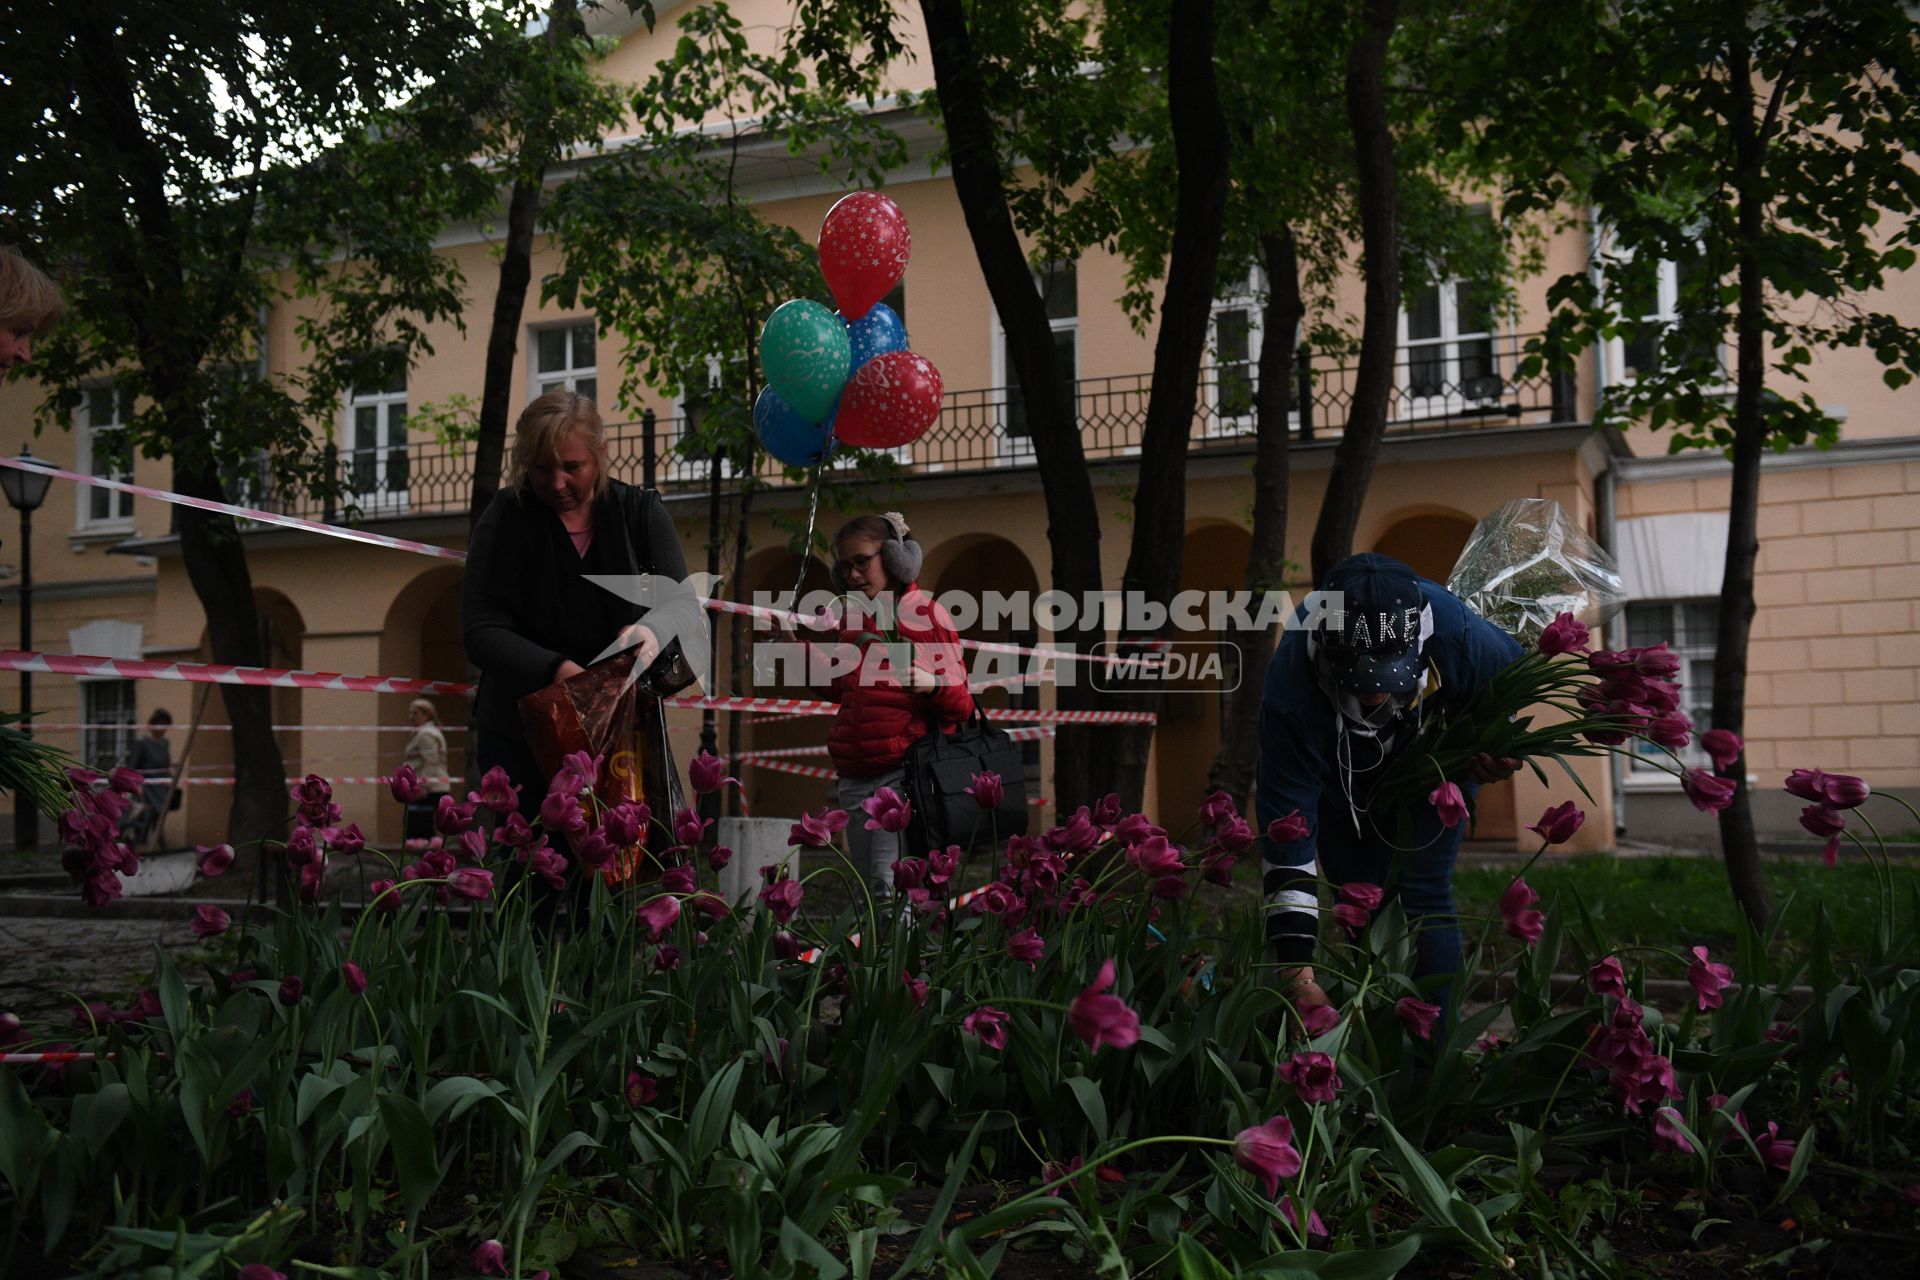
(891, 400)
(863, 250)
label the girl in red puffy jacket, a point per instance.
(910, 678)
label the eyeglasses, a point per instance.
(858, 562)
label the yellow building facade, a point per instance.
(1836, 651)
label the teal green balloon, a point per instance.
(805, 351)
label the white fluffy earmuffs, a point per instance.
(900, 555)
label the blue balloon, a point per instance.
(787, 435)
(876, 333)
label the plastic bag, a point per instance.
(1528, 563)
(626, 730)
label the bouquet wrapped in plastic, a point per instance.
(605, 714)
(1528, 563)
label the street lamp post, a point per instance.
(25, 490)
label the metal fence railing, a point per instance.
(1451, 386)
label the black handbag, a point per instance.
(940, 767)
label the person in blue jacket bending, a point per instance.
(1376, 651)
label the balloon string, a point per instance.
(806, 548)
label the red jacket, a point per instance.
(879, 718)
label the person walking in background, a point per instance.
(426, 755)
(151, 756)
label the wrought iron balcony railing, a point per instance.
(1452, 386)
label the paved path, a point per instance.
(44, 963)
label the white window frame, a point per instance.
(384, 500)
(1017, 449)
(119, 505)
(1450, 342)
(1696, 697)
(680, 466)
(568, 378)
(105, 749)
(1666, 310)
(1247, 296)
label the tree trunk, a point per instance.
(1155, 558)
(1378, 200)
(1232, 769)
(216, 565)
(1738, 845)
(1073, 521)
(516, 273)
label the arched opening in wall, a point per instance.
(1429, 543)
(977, 572)
(283, 638)
(420, 637)
(765, 660)
(1188, 735)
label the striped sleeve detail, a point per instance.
(1293, 910)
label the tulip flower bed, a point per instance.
(1081, 1050)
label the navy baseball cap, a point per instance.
(1372, 640)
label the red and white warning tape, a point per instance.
(278, 728)
(239, 513)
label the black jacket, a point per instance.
(526, 605)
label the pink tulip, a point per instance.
(1313, 1076)
(1723, 746)
(1076, 835)
(1673, 730)
(214, 859)
(887, 810)
(678, 879)
(1708, 979)
(1098, 1018)
(818, 832)
(689, 828)
(549, 866)
(1367, 897)
(594, 850)
(1417, 1016)
(1107, 810)
(1657, 660)
(1449, 803)
(1844, 791)
(1521, 920)
(496, 792)
(451, 818)
(626, 822)
(209, 921)
(258, 1270)
(1349, 917)
(666, 958)
(302, 847)
(354, 977)
(471, 882)
(641, 1090)
(1666, 1132)
(708, 772)
(348, 840)
(1289, 830)
(1830, 852)
(1608, 978)
(1217, 808)
(383, 896)
(1819, 820)
(1235, 835)
(1557, 825)
(1316, 1226)
(291, 989)
(659, 915)
(473, 846)
(1774, 1149)
(11, 1032)
(1808, 784)
(1318, 1019)
(987, 790)
(988, 1025)
(782, 899)
(1266, 1151)
(918, 989)
(1708, 793)
(560, 813)
(1565, 634)
(1718, 1102)
(1027, 946)
(407, 786)
(1155, 857)
(490, 1258)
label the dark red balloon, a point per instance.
(890, 400)
(863, 250)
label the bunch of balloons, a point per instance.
(846, 376)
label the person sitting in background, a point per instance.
(426, 755)
(151, 756)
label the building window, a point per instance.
(1235, 356)
(1448, 356)
(1653, 304)
(105, 412)
(377, 444)
(1059, 287)
(107, 709)
(1690, 628)
(564, 360)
